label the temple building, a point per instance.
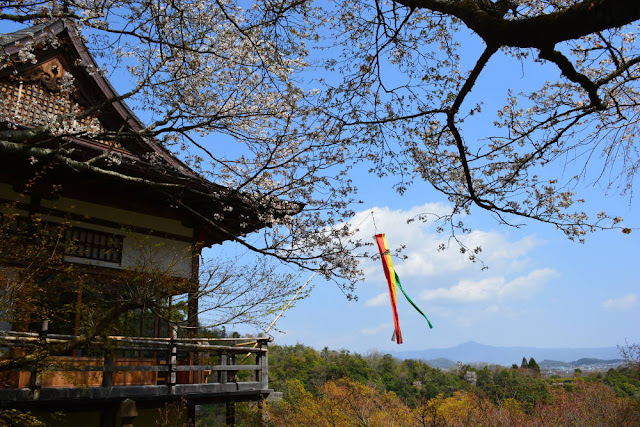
(102, 230)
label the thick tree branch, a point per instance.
(584, 18)
(567, 69)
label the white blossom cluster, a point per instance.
(200, 69)
(307, 90)
(407, 93)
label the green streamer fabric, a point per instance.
(411, 302)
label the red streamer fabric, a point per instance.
(389, 272)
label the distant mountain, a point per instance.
(588, 361)
(473, 352)
(441, 363)
(548, 364)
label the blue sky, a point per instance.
(540, 289)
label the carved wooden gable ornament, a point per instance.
(43, 93)
(50, 73)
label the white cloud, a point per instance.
(493, 308)
(378, 300)
(377, 329)
(626, 302)
(447, 277)
(422, 241)
(492, 288)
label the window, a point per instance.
(77, 241)
(91, 244)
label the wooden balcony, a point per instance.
(199, 370)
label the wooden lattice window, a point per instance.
(32, 104)
(37, 97)
(91, 244)
(77, 241)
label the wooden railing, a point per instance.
(134, 365)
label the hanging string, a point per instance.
(375, 226)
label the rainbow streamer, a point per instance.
(392, 281)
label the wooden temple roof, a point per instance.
(146, 176)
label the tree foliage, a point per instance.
(409, 96)
(412, 393)
(348, 403)
(215, 83)
(397, 91)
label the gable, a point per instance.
(53, 80)
(35, 90)
(42, 93)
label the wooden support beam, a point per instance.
(173, 358)
(263, 361)
(191, 414)
(109, 364)
(230, 413)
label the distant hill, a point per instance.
(588, 361)
(473, 352)
(441, 363)
(548, 364)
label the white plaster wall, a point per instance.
(157, 254)
(139, 250)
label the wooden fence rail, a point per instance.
(117, 361)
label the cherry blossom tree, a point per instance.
(408, 96)
(215, 82)
(305, 89)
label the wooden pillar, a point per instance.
(223, 372)
(230, 413)
(76, 326)
(35, 381)
(193, 303)
(191, 414)
(192, 324)
(262, 415)
(107, 374)
(128, 412)
(192, 310)
(108, 415)
(264, 362)
(173, 358)
(232, 361)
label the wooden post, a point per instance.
(192, 301)
(232, 361)
(193, 296)
(128, 412)
(264, 362)
(263, 416)
(223, 373)
(108, 415)
(230, 414)
(76, 326)
(107, 373)
(191, 414)
(192, 322)
(258, 376)
(173, 357)
(35, 380)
